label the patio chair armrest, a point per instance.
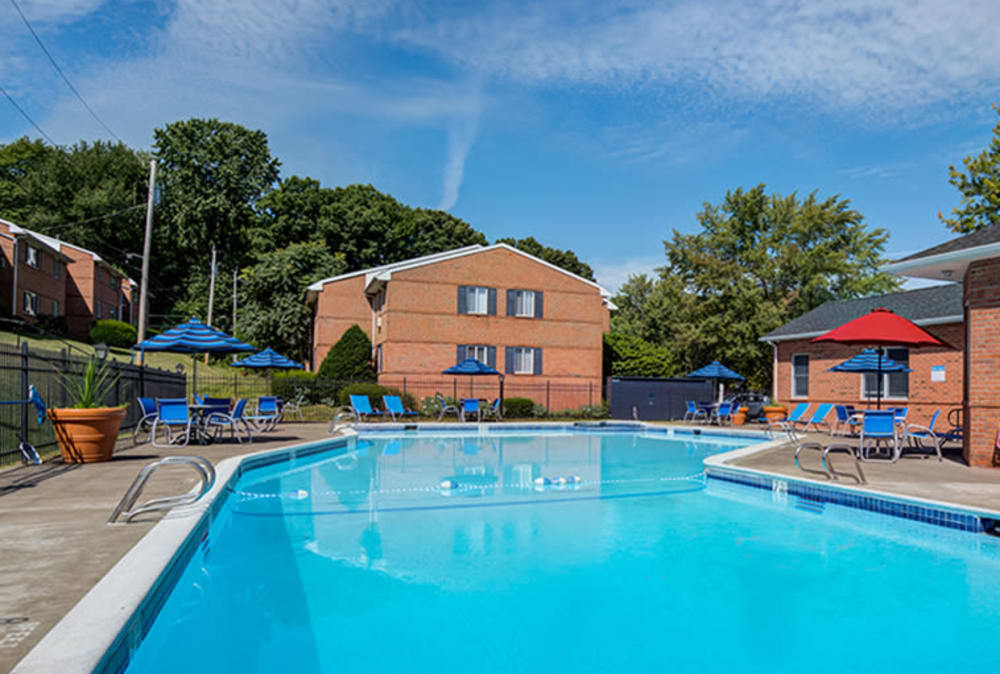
(907, 431)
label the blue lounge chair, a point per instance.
(445, 407)
(235, 421)
(172, 413)
(362, 407)
(470, 406)
(148, 412)
(268, 413)
(394, 406)
(693, 412)
(788, 424)
(914, 437)
(494, 410)
(723, 413)
(818, 418)
(878, 427)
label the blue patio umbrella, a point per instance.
(715, 371)
(871, 361)
(268, 359)
(474, 368)
(193, 337)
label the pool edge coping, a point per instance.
(115, 601)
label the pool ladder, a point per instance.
(826, 463)
(126, 508)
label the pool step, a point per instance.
(810, 505)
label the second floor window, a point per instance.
(31, 256)
(30, 303)
(477, 300)
(524, 303)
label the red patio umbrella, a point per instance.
(881, 327)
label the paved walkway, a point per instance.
(56, 545)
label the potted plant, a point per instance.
(87, 430)
(774, 412)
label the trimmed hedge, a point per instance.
(375, 393)
(350, 358)
(518, 408)
(113, 333)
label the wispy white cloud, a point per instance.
(612, 275)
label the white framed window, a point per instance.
(524, 360)
(100, 309)
(30, 303)
(31, 256)
(480, 352)
(55, 307)
(524, 303)
(800, 375)
(477, 300)
(895, 385)
(56, 269)
(112, 312)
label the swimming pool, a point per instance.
(563, 551)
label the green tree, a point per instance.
(627, 355)
(566, 259)
(212, 174)
(273, 311)
(979, 186)
(758, 261)
(349, 358)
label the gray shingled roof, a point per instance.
(924, 304)
(982, 237)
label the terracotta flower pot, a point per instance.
(740, 417)
(775, 412)
(87, 435)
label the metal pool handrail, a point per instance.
(842, 447)
(201, 465)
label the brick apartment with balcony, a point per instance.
(538, 324)
(57, 278)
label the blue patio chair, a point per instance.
(879, 426)
(914, 437)
(494, 410)
(445, 407)
(295, 406)
(236, 422)
(394, 406)
(818, 418)
(198, 400)
(693, 412)
(470, 406)
(723, 413)
(148, 413)
(844, 424)
(268, 413)
(362, 407)
(172, 413)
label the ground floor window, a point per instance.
(895, 384)
(30, 303)
(55, 307)
(524, 360)
(800, 375)
(379, 363)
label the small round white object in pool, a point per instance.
(449, 484)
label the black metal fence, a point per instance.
(21, 367)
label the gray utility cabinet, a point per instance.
(648, 399)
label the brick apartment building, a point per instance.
(964, 314)
(60, 279)
(540, 325)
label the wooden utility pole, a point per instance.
(146, 246)
(211, 293)
(233, 332)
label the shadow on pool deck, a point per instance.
(56, 544)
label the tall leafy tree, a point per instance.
(212, 174)
(565, 259)
(273, 311)
(979, 185)
(758, 261)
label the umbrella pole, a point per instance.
(878, 387)
(194, 376)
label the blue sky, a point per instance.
(598, 127)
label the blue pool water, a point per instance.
(360, 562)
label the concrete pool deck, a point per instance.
(56, 543)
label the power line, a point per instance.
(27, 117)
(94, 219)
(62, 74)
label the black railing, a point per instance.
(21, 367)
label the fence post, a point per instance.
(454, 388)
(62, 389)
(235, 392)
(590, 394)
(24, 389)
(404, 388)
(118, 382)
(548, 383)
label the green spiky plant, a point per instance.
(91, 388)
